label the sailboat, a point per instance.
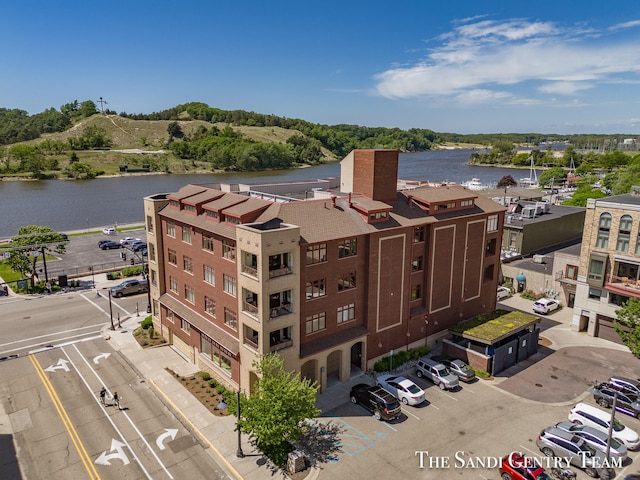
(532, 180)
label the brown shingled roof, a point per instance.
(186, 191)
(251, 205)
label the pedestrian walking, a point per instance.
(116, 400)
(103, 394)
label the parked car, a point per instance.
(377, 400)
(100, 242)
(545, 305)
(402, 388)
(516, 466)
(627, 403)
(109, 231)
(554, 442)
(584, 414)
(129, 240)
(460, 369)
(138, 246)
(109, 245)
(503, 292)
(625, 384)
(437, 373)
(596, 438)
(129, 287)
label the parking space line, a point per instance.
(450, 396)
(529, 450)
(380, 421)
(409, 413)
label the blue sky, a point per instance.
(457, 66)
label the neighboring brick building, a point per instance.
(332, 284)
(609, 270)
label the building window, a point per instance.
(416, 292)
(595, 294)
(233, 220)
(624, 233)
(603, 231)
(418, 234)
(154, 277)
(207, 244)
(571, 272)
(210, 306)
(491, 247)
(184, 325)
(149, 224)
(488, 272)
(316, 323)
(212, 350)
(416, 264)
(317, 288)
(209, 274)
(346, 313)
(316, 253)
(347, 247)
(189, 294)
(279, 339)
(492, 223)
(187, 233)
(445, 206)
(152, 252)
(230, 318)
(596, 269)
(466, 203)
(211, 214)
(171, 316)
(172, 257)
(347, 281)
(187, 264)
(171, 229)
(190, 208)
(513, 241)
(229, 250)
(249, 263)
(173, 284)
(229, 284)
(156, 306)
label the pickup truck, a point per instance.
(129, 287)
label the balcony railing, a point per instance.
(282, 309)
(279, 272)
(251, 342)
(253, 271)
(280, 345)
(630, 284)
(249, 307)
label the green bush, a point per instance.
(213, 382)
(399, 358)
(131, 271)
(152, 332)
(220, 389)
(205, 375)
(146, 323)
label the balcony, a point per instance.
(250, 308)
(251, 342)
(626, 285)
(280, 345)
(249, 270)
(279, 272)
(280, 310)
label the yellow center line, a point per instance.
(73, 434)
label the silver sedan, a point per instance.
(402, 388)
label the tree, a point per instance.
(627, 325)
(88, 108)
(506, 181)
(29, 239)
(555, 175)
(175, 130)
(275, 414)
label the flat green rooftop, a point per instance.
(490, 328)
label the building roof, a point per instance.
(187, 191)
(555, 211)
(490, 328)
(513, 192)
(249, 206)
(620, 200)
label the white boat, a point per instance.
(475, 184)
(532, 180)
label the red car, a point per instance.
(516, 466)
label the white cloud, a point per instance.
(479, 60)
(624, 25)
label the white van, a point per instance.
(584, 414)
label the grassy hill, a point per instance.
(140, 136)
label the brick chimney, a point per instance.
(374, 173)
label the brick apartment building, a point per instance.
(331, 283)
(609, 270)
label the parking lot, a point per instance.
(462, 434)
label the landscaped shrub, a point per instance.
(152, 332)
(205, 375)
(131, 271)
(213, 382)
(398, 359)
(146, 323)
(220, 389)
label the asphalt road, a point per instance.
(51, 422)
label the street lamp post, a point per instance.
(111, 311)
(239, 452)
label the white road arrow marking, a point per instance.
(97, 358)
(116, 446)
(61, 365)
(168, 432)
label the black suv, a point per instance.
(376, 399)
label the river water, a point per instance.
(66, 205)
